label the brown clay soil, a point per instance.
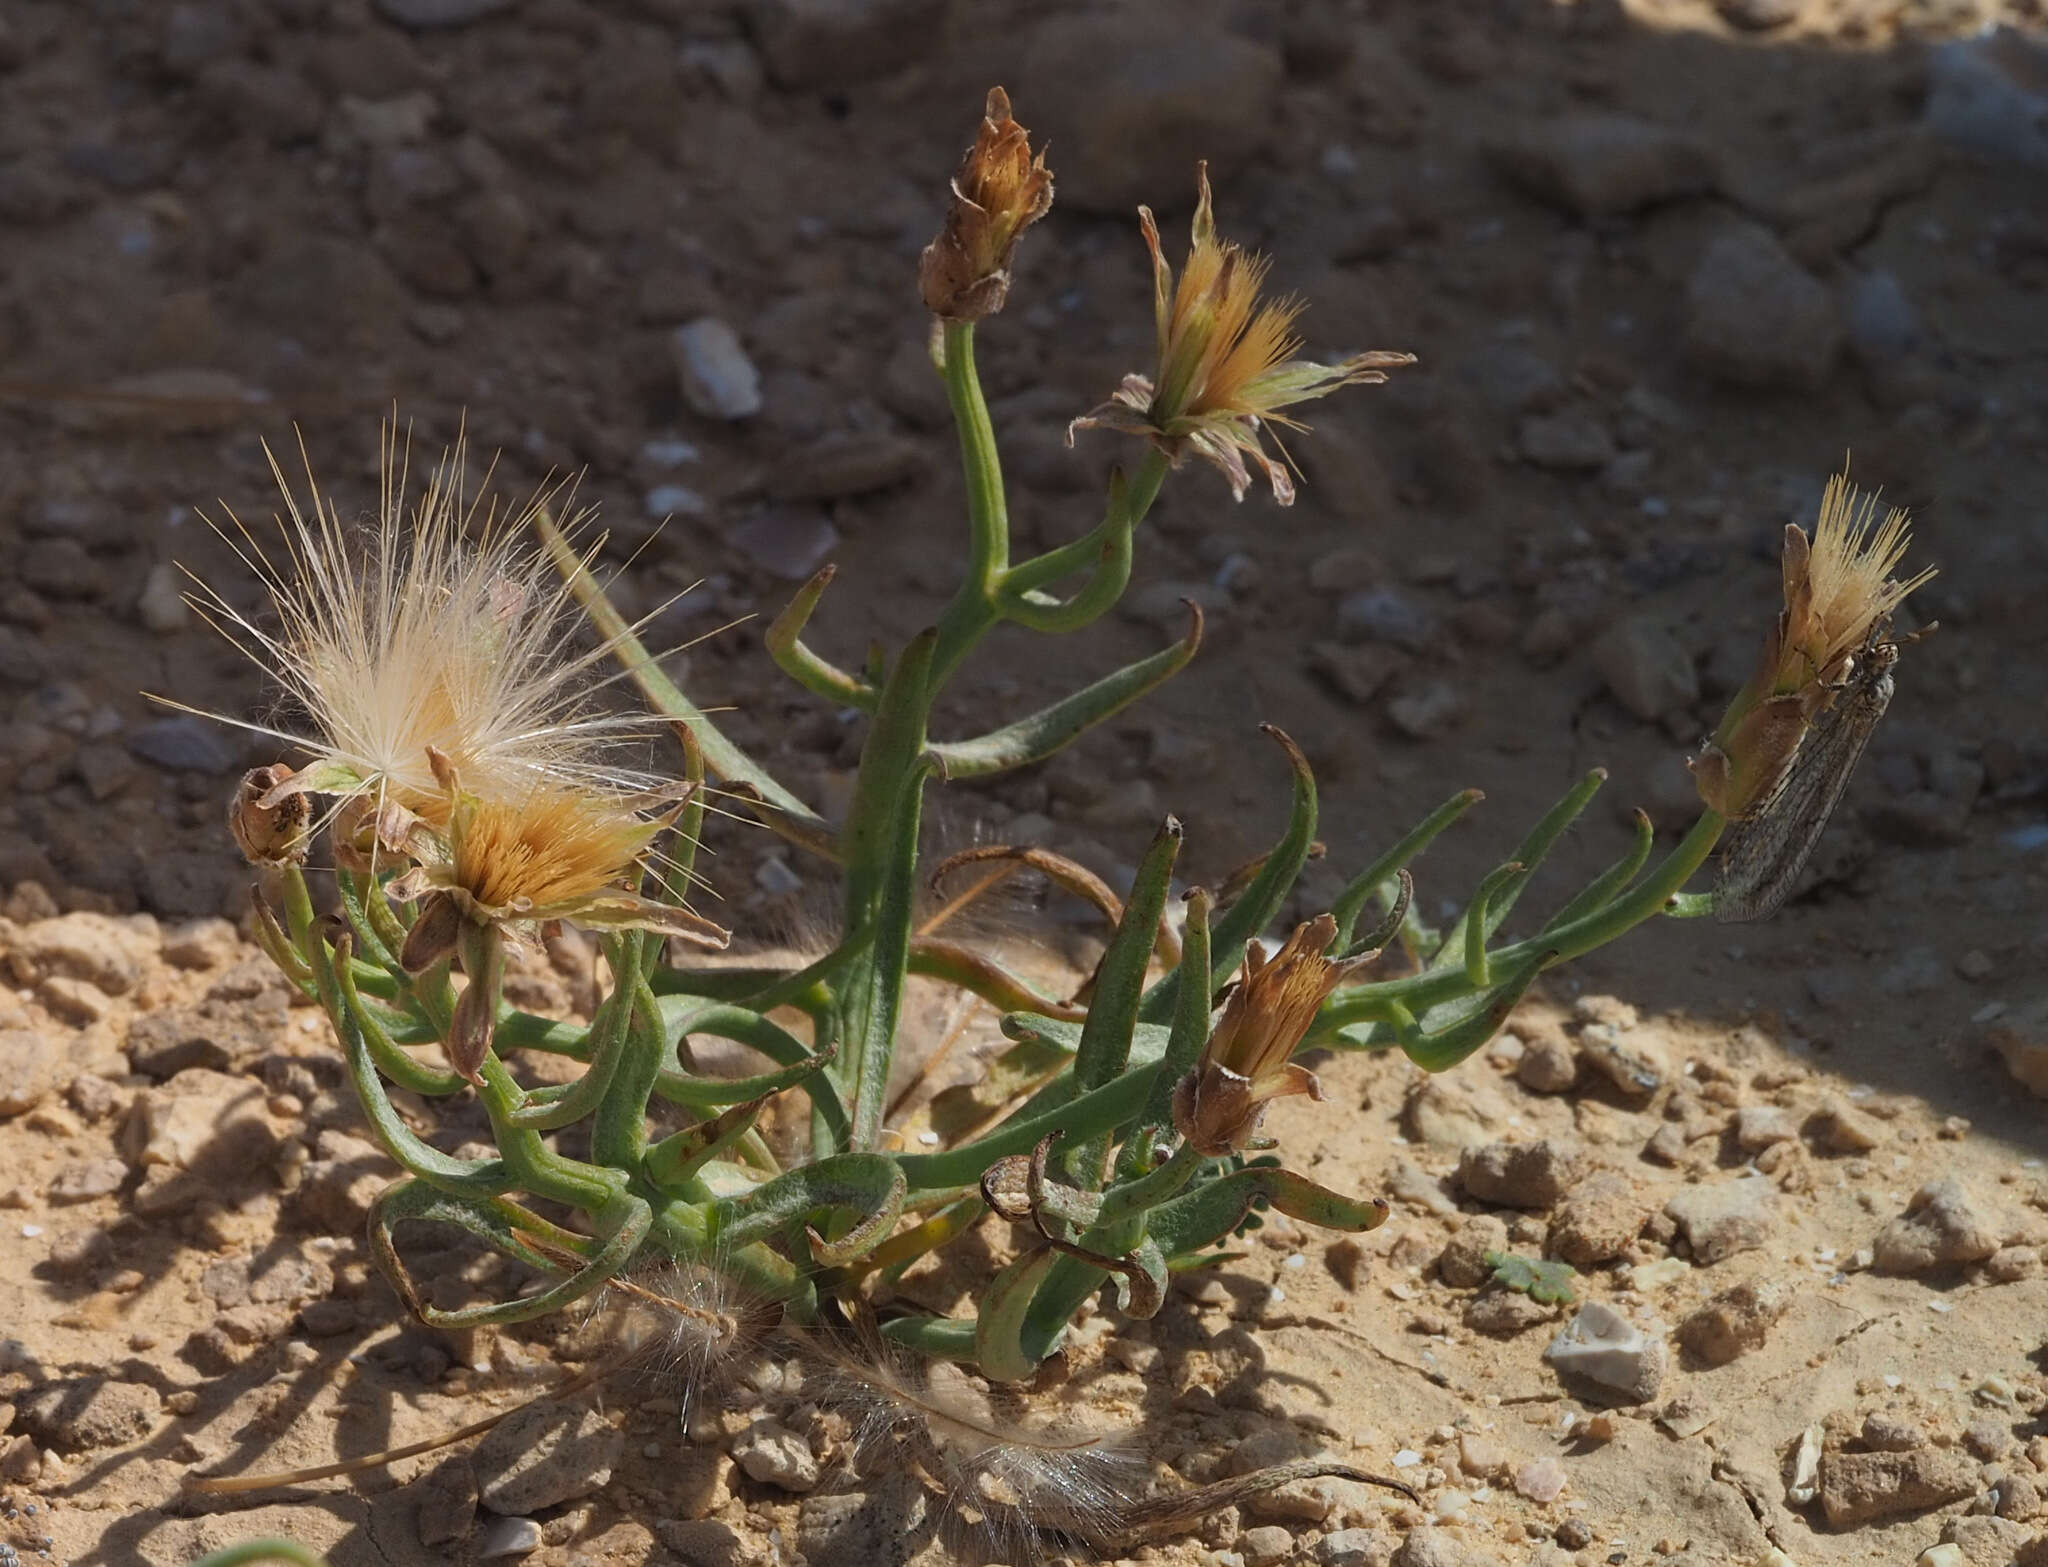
(220, 220)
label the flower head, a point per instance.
(544, 853)
(506, 863)
(1840, 595)
(1226, 361)
(1000, 191)
(441, 628)
(1839, 587)
(1246, 1062)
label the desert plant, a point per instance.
(469, 801)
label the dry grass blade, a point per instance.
(1181, 1510)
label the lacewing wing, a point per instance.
(1762, 855)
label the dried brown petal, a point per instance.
(372, 835)
(433, 935)
(1219, 1111)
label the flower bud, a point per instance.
(1000, 191)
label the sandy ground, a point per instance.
(1792, 1156)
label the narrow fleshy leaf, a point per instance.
(1262, 901)
(1046, 732)
(999, 1318)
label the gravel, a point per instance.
(775, 1455)
(1736, 1321)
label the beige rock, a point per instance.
(105, 952)
(1599, 1219)
(1722, 1218)
(29, 1063)
(1859, 1488)
(204, 1122)
(1521, 1175)
(1941, 1227)
(1735, 1321)
(1462, 1263)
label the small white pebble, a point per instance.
(668, 452)
(1941, 1306)
(930, 1139)
(1295, 1260)
(673, 500)
(31, 1230)
(507, 1537)
(1892, 1379)
(1407, 1458)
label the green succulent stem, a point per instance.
(1362, 1003)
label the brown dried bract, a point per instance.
(1218, 1105)
(1000, 191)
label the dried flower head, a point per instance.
(1226, 361)
(1839, 588)
(269, 831)
(442, 627)
(1000, 191)
(1246, 1062)
(1840, 596)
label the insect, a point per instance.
(1763, 854)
